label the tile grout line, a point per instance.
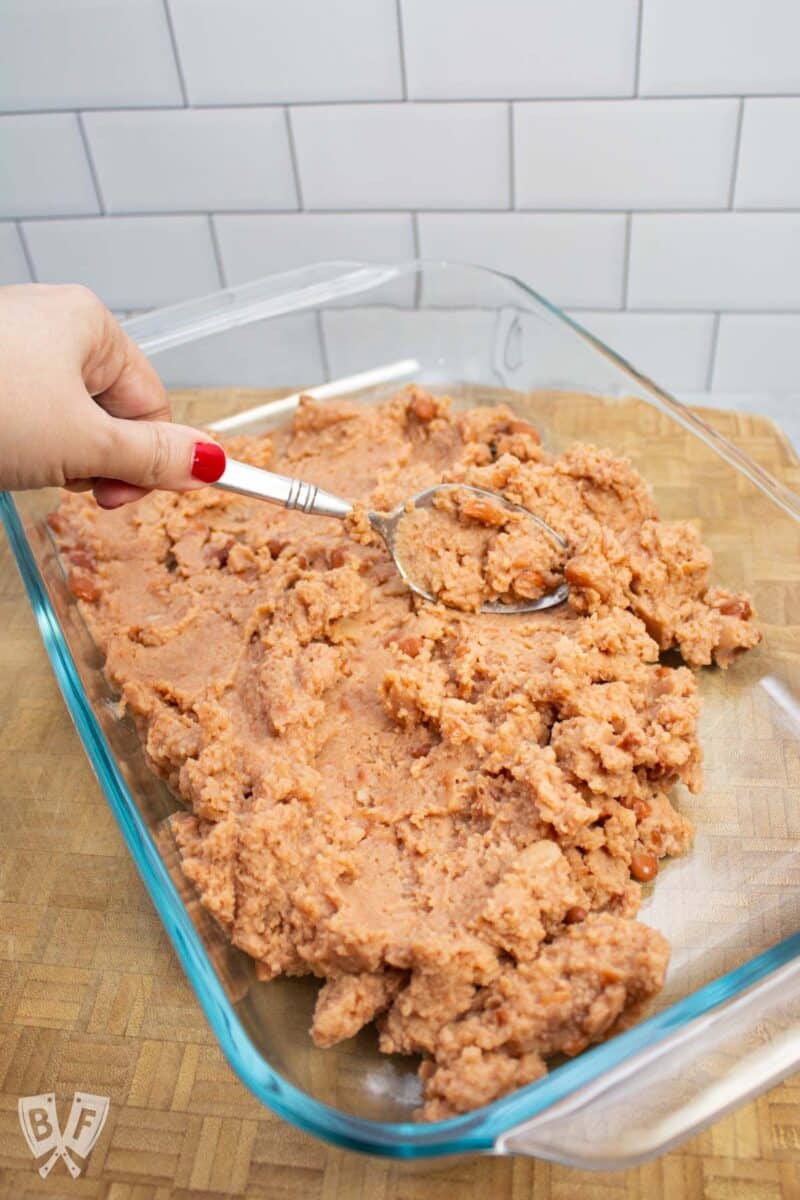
(417, 254)
(401, 44)
(736, 150)
(293, 156)
(175, 54)
(712, 353)
(26, 250)
(323, 345)
(638, 60)
(626, 261)
(579, 213)
(512, 169)
(641, 312)
(415, 232)
(212, 229)
(92, 167)
(691, 311)
(455, 101)
(582, 310)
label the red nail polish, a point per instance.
(208, 461)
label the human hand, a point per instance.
(81, 406)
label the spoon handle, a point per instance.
(281, 489)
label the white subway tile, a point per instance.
(673, 349)
(262, 244)
(131, 262)
(715, 261)
(403, 155)
(624, 153)
(460, 343)
(55, 54)
(569, 258)
(13, 267)
(769, 155)
(243, 51)
(519, 349)
(468, 49)
(192, 159)
(719, 47)
(43, 167)
(284, 352)
(758, 353)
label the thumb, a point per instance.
(158, 454)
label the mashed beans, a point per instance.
(445, 816)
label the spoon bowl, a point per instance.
(292, 493)
(387, 525)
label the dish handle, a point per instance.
(309, 287)
(675, 1088)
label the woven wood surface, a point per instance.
(92, 997)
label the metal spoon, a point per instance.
(296, 493)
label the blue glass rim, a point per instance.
(472, 1132)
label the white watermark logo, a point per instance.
(39, 1121)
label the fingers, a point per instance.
(109, 493)
(112, 493)
(126, 385)
(70, 378)
(121, 379)
(152, 454)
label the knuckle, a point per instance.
(79, 297)
(99, 448)
(84, 310)
(160, 453)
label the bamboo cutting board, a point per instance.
(92, 998)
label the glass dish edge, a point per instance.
(476, 1131)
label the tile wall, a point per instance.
(638, 161)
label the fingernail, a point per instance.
(208, 461)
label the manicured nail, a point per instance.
(208, 461)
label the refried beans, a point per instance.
(466, 549)
(446, 816)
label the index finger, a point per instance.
(121, 379)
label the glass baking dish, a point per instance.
(727, 1025)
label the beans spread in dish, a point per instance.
(447, 816)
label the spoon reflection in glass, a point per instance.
(307, 498)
